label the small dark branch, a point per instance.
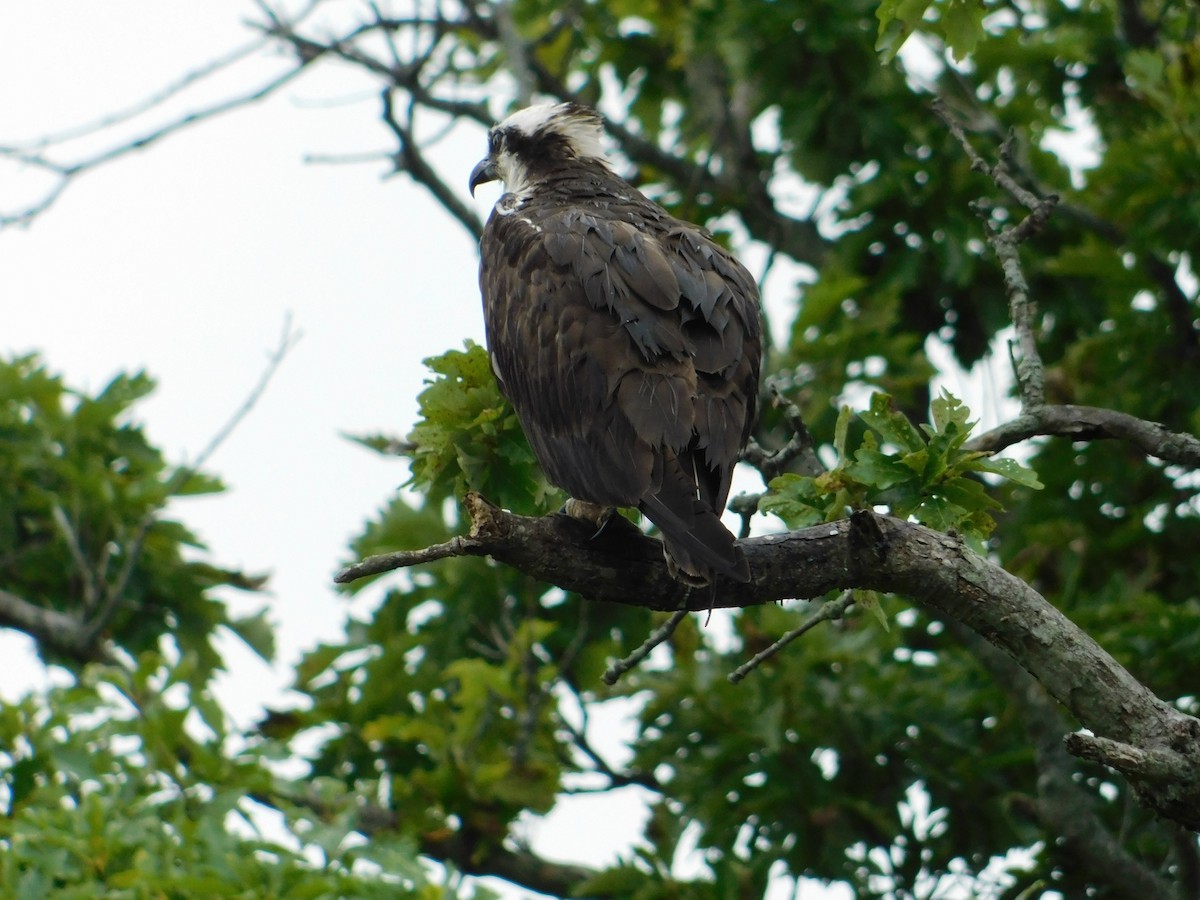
(402, 559)
(835, 609)
(800, 445)
(614, 672)
(615, 779)
(410, 159)
(1087, 423)
(745, 505)
(1006, 243)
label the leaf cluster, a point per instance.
(121, 786)
(923, 472)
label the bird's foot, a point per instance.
(597, 515)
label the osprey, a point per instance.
(628, 341)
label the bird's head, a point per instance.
(534, 141)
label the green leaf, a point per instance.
(879, 470)
(257, 633)
(962, 25)
(891, 424)
(869, 600)
(1010, 469)
(898, 19)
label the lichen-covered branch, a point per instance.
(1089, 423)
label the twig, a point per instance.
(410, 159)
(800, 444)
(401, 559)
(834, 609)
(67, 172)
(1006, 242)
(91, 590)
(614, 672)
(288, 339)
(615, 779)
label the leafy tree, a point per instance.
(910, 752)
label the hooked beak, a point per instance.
(484, 171)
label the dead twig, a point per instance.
(834, 609)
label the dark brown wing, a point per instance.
(628, 342)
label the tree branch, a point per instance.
(1064, 806)
(1087, 423)
(61, 632)
(872, 551)
(410, 159)
(1006, 243)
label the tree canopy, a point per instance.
(1013, 185)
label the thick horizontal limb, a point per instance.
(866, 551)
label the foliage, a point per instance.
(121, 786)
(81, 527)
(891, 759)
(923, 473)
(468, 436)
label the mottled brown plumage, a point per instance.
(626, 339)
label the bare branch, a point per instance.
(410, 159)
(835, 609)
(1006, 242)
(288, 339)
(68, 171)
(614, 672)
(115, 591)
(1086, 423)
(800, 444)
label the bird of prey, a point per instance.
(627, 340)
